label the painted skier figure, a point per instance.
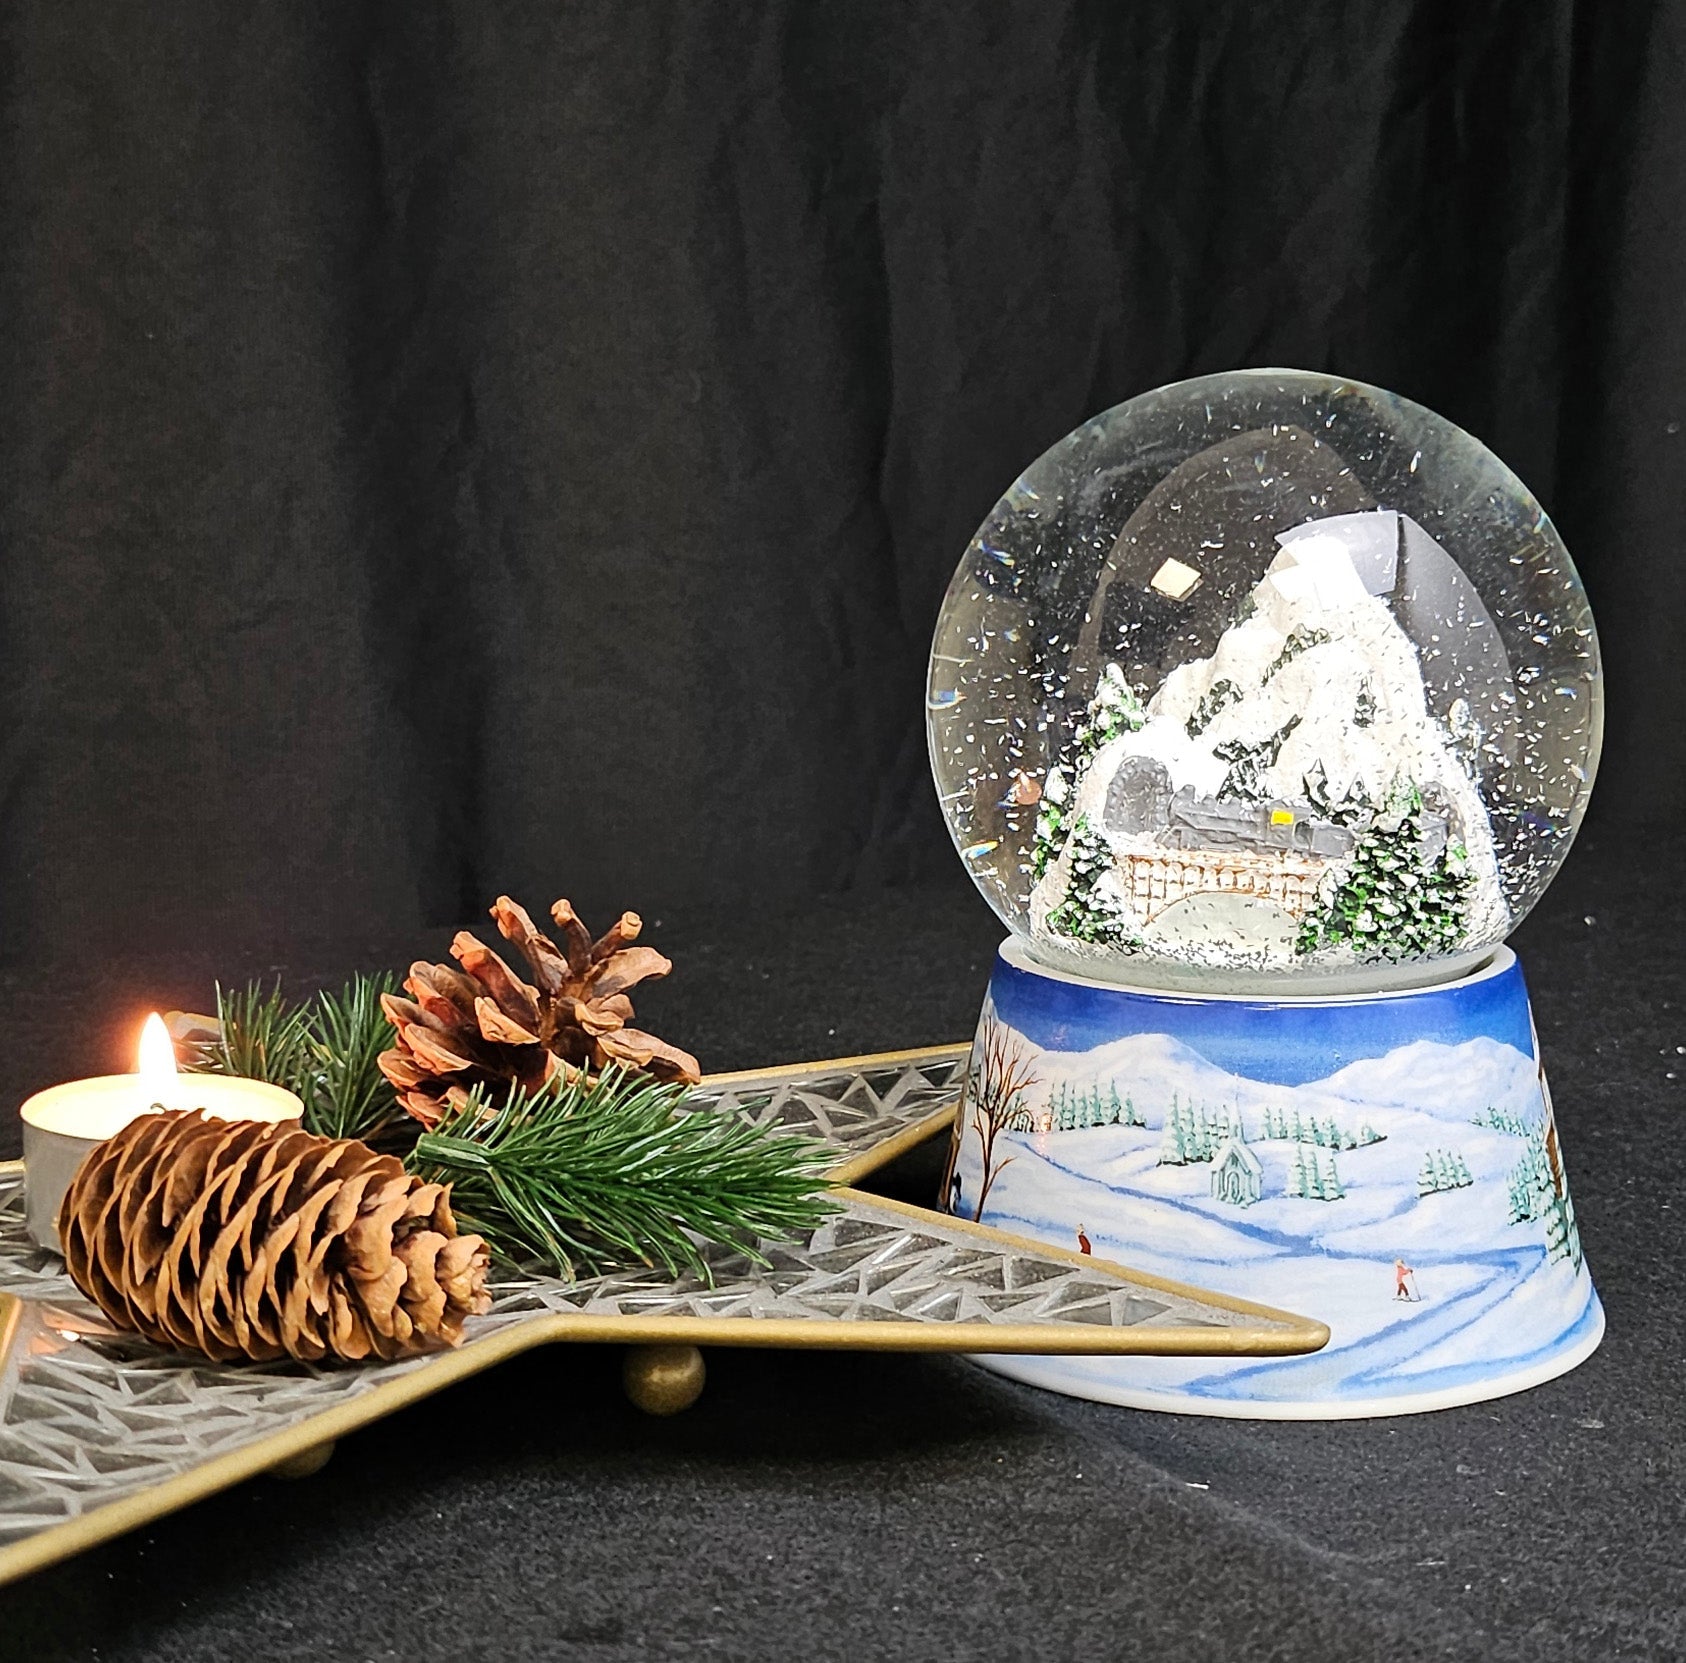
(1404, 1282)
(1082, 1240)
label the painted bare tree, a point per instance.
(996, 1083)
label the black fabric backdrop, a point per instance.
(454, 447)
(448, 447)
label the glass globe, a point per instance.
(1265, 681)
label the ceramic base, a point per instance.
(1386, 1163)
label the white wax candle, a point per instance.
(62, 1123)
(102, 1106)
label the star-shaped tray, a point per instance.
(100, 1431)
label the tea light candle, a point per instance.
(62, 1123)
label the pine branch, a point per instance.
(349, 1030)
(591, 1173)
(324, 1050)
(262, 1036)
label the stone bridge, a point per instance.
(1158, 880)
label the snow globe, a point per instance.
(1262, 708)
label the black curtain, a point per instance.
(452, 447)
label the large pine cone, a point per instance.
(240, 1238)
(483, 1025)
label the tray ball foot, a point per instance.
(306, 1463)
(663, 1379)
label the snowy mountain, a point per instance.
(1153, 1065)
(1431, 1080)
(1454, 1082)
(1316, 681)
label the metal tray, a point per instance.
(101, 1431)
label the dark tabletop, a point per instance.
(866, 1506)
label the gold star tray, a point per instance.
(100, 1431)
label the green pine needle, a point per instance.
(586, 1174)
(325, 1050)
(263, 1037)
(349, 1030)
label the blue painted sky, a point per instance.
(1282, 1042)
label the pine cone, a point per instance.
(483, 1025)
(243, 1239)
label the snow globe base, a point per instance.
(1385, 1162)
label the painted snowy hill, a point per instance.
(1401, 1174)
(1454, 1082)
(1443, 1082)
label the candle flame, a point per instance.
(157, 1064)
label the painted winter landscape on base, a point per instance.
(1414, 1200)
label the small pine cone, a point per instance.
(243, 1239)
(484, 1025)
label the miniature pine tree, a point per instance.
(1052, 823)
(1521, 1199)
(1563, 1236)
(1114, 709)
(1557, 1234)
(1296, 1173)
(1395, 900)
(1090, 911)
(1117, 1107)
(1172, 1150)
(1329, 1179)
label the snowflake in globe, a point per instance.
(1264, 678)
